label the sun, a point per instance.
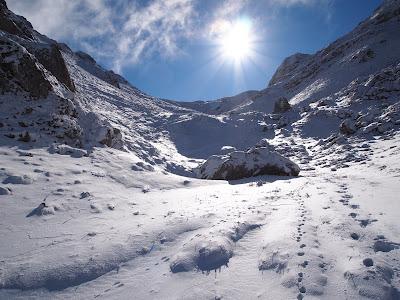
(236, 42)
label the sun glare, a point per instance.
(237, 41)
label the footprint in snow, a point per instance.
(385, 246)
(366, 222)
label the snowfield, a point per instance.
(100, 189)
(109, 231)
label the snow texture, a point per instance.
(99, 196)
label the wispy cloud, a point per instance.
(124, 32)
(121, 31)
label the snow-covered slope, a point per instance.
(93, 203)
(368, 48)
(219, 106)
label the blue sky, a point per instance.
(176, 49)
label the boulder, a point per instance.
(111, 137)
(67, 150)
(243, 164)
(17, 179)
(348, 127)
(281, 105)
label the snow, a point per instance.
(240, 164)
(80, 246)
(101, 201)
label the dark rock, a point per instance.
(25, 137)
(10, 135)
(347, 127)
(281, 105)
(52, 59)
(384, 246)
(112, 138)
(23, 74)
(90, 65)
(13, 24)
(368, 262)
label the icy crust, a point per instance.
(242, 164)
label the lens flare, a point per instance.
(237, 41)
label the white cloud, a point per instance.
(120, 31)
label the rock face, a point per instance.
(20, 33)
(88, 63)
(347, 127)
(13, 24)
(20, 71)
(289, 66)
(51, 58)
(240, 164)
(111, 137)
(281, 106)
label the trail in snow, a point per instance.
(312, 236)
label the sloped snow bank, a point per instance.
(210, 251)
(243, 164)
(55, 273)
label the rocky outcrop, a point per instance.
(227, 149)
(281, 105)
(51, 58)
(19, 31)
(111, 137)
(20, 71)
(288, 67)
(243, 164)
(90, 65)
(348, 127)
(13, 24)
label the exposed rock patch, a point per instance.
(240, 164)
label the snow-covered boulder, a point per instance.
(17, 179)
(254, 162)
(67, 150)
(111, 137)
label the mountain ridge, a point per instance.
(193, 131)
(290, 192)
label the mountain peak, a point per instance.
(288, 66)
